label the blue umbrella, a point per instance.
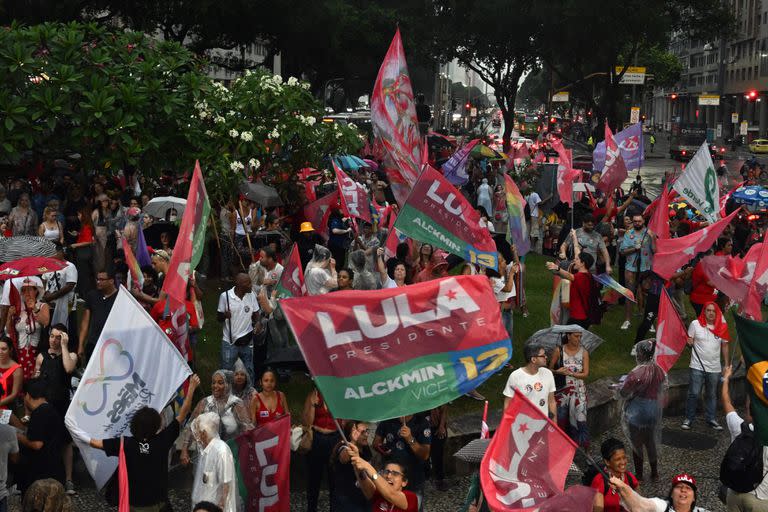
(754, 197)
(359, 161)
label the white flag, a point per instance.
(133, 365)
(698, 184)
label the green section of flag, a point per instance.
(241, 489)
(420, 226)
(752, 338)
(198, 239)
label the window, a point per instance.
(749, 73)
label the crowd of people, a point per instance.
(52, 333)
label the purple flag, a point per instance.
(142, 253)
(455, 169)
(630, 142)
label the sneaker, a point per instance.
(652, 330)
(477, 396)
(715, 425)
(686, 425)
(70, 487)
(625, 325)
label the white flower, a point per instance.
(274, 134)
(253, 163)
(234, 133)
(292, 81)
(248, 72)
(209, 133)
(236, 166)
(203, 114)
(305, 85)
(246, 136)
(277, 79)
(352, 125)
(219, 120)
(231, 113)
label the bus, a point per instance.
(527, 125)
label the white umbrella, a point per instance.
(159, 207)
(551, 337)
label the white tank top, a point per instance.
(239, 223)
(51, 234)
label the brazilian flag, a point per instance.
(753, 337)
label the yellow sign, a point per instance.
(709, 99)
(561, 97)
(634, 75)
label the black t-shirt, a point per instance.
(344, 480)
(47, 426)
(99, 306)
(147, 464)
(401, 452)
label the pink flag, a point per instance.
(122, 481)
(732, 275)
(615, 171)
(565, 172)
(354, 199)
(317, 212)
(659, 224)
(673, 253)
(757, 287)
(395, 126)
(671, 334)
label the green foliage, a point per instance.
(116, 98)
(264, 125)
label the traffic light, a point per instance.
(673, 96)
(751, 95)
(552, 120)
(467, 106)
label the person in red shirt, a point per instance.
(384, 489)
(607, 498)
(703, 290)
(581, 284)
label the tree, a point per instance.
(116, 98)
(497, 40)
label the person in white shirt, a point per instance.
(60, 291)
(215, 479)
(238, 311)
(9, 451)
(708, 338)
(398, 273)
(266, 271)
(534, 380)
(740, 501)
(533, 199)
(682, 496)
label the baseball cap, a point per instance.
(684, 478)
(306, 226)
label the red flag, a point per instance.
(757, 287)
(525, 466)
(395, 126)
(262, 463)
(732, 275)
(566, 175)
(354, 199)
(292, 279)
(659, 223)
(615, 170)
(318, 212)
(671, 334)
(122, 481)
(673, 253)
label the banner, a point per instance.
(758, 284)
(134, 364)
(517, 229)
(292, 279)
(659, 223)
(673, 253)
(455, 169)
(607, 280)
(318, 212)
(630, 142)
(671, 334)
(566, 174)
(438, 214)
(388, 353)
(615, 171)
(752, 335)
(354, 198)
(699, 186)
(263, 466)
(394, 122)
(527, 462)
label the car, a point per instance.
(759, 146)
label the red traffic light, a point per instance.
(673, 96)
(468, 106)
(751, 95)
(552, 120)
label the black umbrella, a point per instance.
(261, 194)
(16, 247)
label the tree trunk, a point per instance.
(509, 123)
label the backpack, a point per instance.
(591, 472)
(742, 467)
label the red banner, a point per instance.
(527, 462)
(317, 212)
(262, 460)
(671, 335)
(392, 352)
(354, 199)
(659, 224)
(615, 170)
(292, 279)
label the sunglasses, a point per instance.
(386, 472)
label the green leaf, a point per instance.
(9, 124)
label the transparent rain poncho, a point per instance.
(364, 279)
(644, 393)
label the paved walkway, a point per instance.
(701, 457)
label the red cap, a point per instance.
(684, 478)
